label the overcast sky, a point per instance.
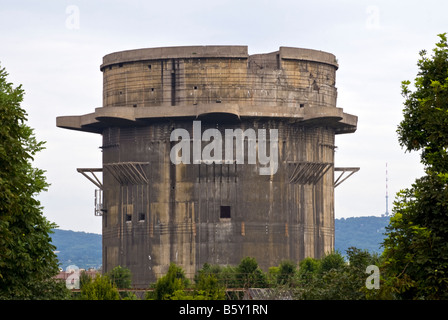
(54, 49)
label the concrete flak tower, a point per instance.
(211, 155)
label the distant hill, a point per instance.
(77, 248)
(85, 249)
(360, 232)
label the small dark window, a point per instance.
(195, 87)
(149, 66)
(135, 106)
(152, 89)
(302, 105)
(128, 218)
(141, 216)
(120, 65)
(225, 212)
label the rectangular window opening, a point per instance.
(128, 217)
(141, 216)
(225, 212)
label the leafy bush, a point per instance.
(167, 285)
(100, 288)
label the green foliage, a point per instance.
(328, 278)
(425, 113)
(84, 279)
(167, 285)
(331, 278)
(415, 250)
(210, 282)
(360, 259)
(416, 264)
(249, 275)
(226, 275)
(287, 271)
(309, 265)
(120, 277)
(27, 261)
(308, 268)
(100, 288)
(332, 261)
(175, 286)
(246, 274)
(208, 286)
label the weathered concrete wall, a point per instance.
(176, 215)
(157, 212)
(270, 80)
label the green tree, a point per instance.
(249, 275)
(287, 272)
(27, 258)
(415, 264)
(331, 278)
(425, 115)
(331, 261)
(84, 278)
(360, 259)
(226, 275)
(209, 287)
(120, 277)
(100, 288)
(415, 249)
(166, 286)
(308, 267)
(175, 286)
